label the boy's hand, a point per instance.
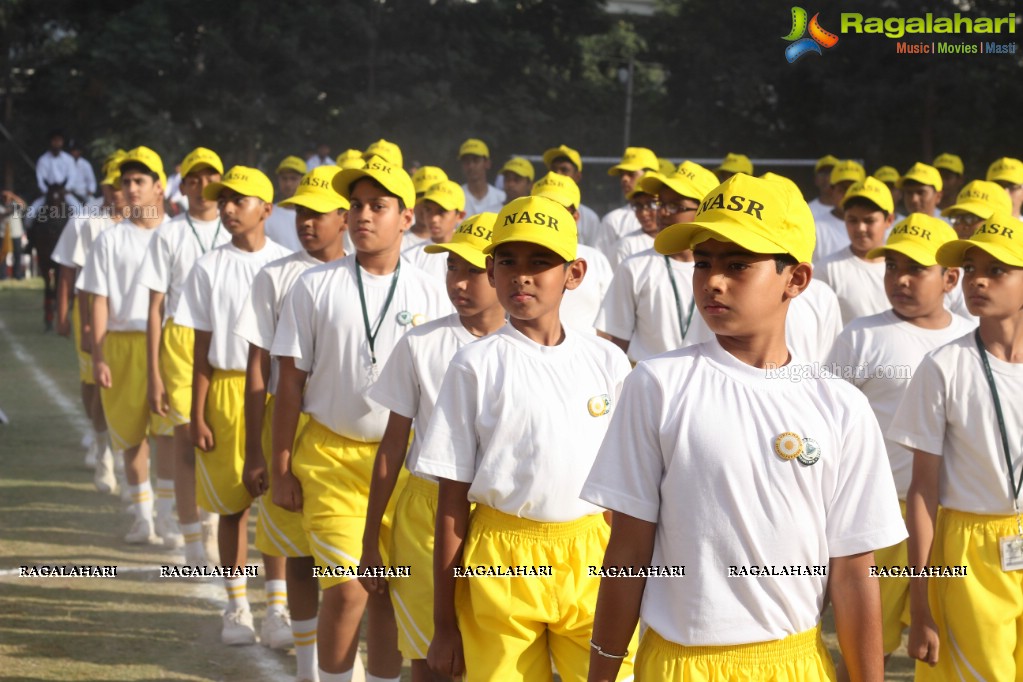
(101, 373)
(86, 339)
(445, 656)
(158, 396)
(288, 492)
(254, 475)
(371, 559)
(202, 436)
(923, 639)
(63, 326)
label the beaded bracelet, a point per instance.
(601, 652)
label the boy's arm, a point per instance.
(287, 492)
(386, 468)
(618, 601)
(921, 510)
(445, 655)
(154, 329)
(257, 372)
(856, 597)
(85, 320)
(202, 372)
(65, 292)
(100, 368)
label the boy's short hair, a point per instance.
(870, 193)
(863, 202)
(148, 161)
(378, 185)
(562, 153)
(137, 167)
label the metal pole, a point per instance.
(628, 100)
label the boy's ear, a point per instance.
(799, 279)
(574, 274)
(490, 271)
(267, 209)
(889, 221)
(951, 279)
(407, 217)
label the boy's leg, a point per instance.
(237, 618)
(275, 631)
(303, 602)
(412, 540)
(337, 635)
(382, 656)
(166, 525)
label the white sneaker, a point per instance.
(167, 529)
(104, 478)
(195, 556)
(275, 632)
(238, 628)
(209, 541)
(142, 533)
(91, 455)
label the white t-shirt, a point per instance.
(88, 231)
(859, 284)
(435, 264)
(280, 227)
(588, 226)
(692, 449)
(257, 321)
(878, 354)
(526, 447)
(491, 202)
(832, 235)
(955, 301)
(411, 379)
(948, 411)
(174, 250)
(64, 250)
(111, 270)
(813, 322)
(579, 307)
(411, 240)
(613, 226)
(630, 245)
(84, 182)
(316, 160)
(817, 209)
(213, 296)
(322, 327)
(55, 170)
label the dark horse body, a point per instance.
(43, 231)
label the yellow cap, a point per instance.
(736, 163)
(1001, 235)
(759, 215)
(918, 236)
(426, 177)
(872, 190)
(388, 151)
(474, 147)
(293, 164)
(923, 174)
(787, 183)
(316, 191)
(887, 174)
(470, 239)
(200, 158)
(826, 161)
(846, 171)
(519, 166)
(949, 162)
(249, 182)
(559, 188)
(536, 220)
(1006, 169)
(562, 151)
(446, 194)
(665, 166)
(981, 198)
(113, 159)
(112, 169)
(691, 180)
(393, 178)
(350, 158)
(148, 158)
(635, 159)
(113, 178)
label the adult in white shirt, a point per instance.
(55, 166)
(480, 196)
(83, 185)
(636, 161)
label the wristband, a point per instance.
(601, 652)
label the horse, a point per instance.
(43, 230)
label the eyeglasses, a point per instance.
(965, 219)
(644, 206)
(670, 208)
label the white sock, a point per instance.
(276, 596)
(193, 537)
(374, 678)
(142, 500)
(164, 496)
(237, 597)
(337, 677)
(304, 633)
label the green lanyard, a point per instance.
(683, 323)
(371, 334)
(213, 242)
(1014, 487)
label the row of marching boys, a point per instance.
(707, 457)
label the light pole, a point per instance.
(625, 75)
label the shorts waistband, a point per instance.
(422, 486)
(493, 519)
(328, 432)
(227, 374)
(800, 645)
(971, 519)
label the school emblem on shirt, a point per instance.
(811, 452)
(788, 445)
(599, 405)
(418, 319)
(404, 317)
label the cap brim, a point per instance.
(315, 202)
(680, 236)
(952, 254)
(540, 236)
(344, 180)
(442, 202)
(199, 166)
(211, 192)
(474, 256)
(978, 209)
(909, 249)
(624, 168)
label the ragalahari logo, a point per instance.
(818, 36)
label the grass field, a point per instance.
(136, 626)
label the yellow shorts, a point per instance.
(894, 592)
(797, 658)
(218, 473)
(278, 531)
(124, 403)
(177, 351)
(335, 474)
(84, 359)
(980, 615)
(513, 626)
(412, 545)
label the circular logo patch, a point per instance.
(418, 319)
(404, 317)
(811, 452)
(788, 445)
(598, 405)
